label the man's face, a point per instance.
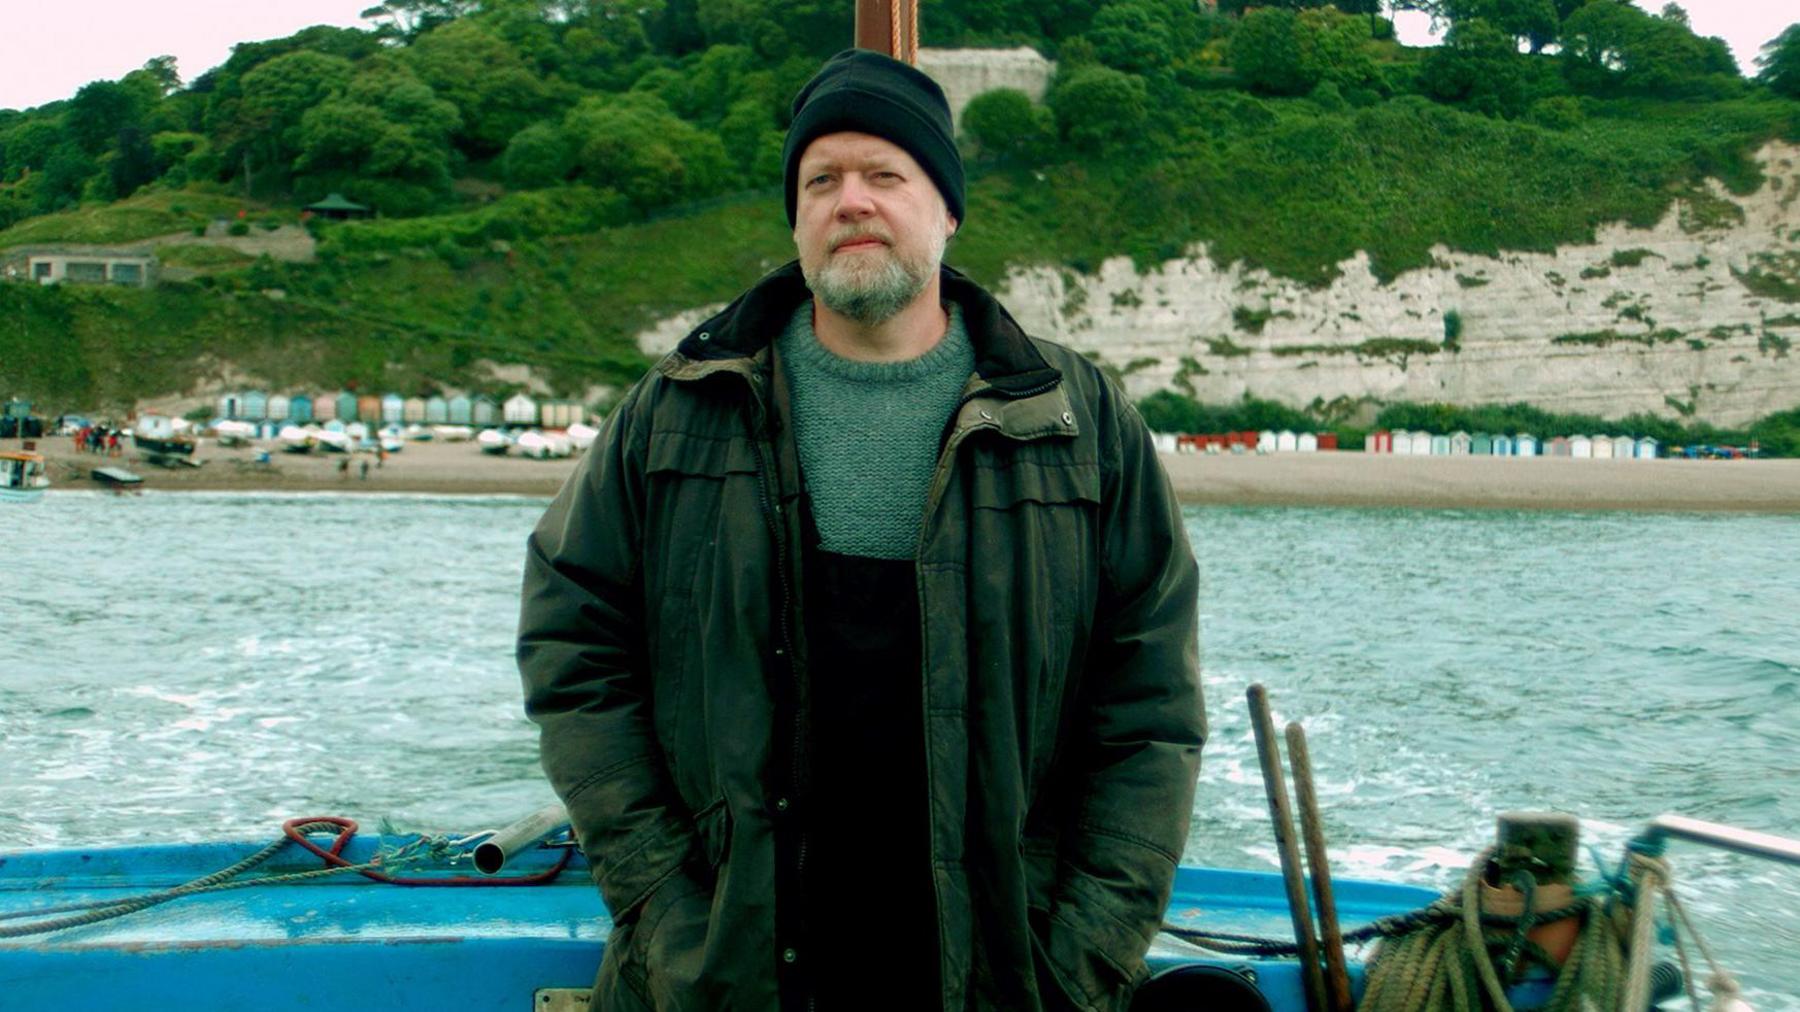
(869, 224)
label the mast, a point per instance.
(890, 27)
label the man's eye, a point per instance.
(816, 180)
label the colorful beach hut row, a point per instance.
(393, 409)
(1401, 442)
(1266, 441)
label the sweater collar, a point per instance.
(740, 334)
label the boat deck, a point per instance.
(318, 941)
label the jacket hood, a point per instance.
(1005, 356)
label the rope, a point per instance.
(896, 45)
(1448, 961)
(293, 831)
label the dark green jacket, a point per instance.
(661, 658)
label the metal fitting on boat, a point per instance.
(492, 854)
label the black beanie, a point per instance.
(865, 91)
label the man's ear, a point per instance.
(954, 225)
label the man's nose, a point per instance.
(854, 198)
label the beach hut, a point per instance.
(368, 409)
(1459, 443)
(1602, 447)
(1581, 447)
(1265, 441)
(460, 410)
(1525, 445)
(1482, 445)
(1328, 442)
(1502, 446)
(335, 426)
(256, 406)
(519, 409)
(1557, 447)
(1624, 447)
(300, 408)
(1647, 448)
(1421, 444)
(393, 409)
(412, 410)
(1439, 446)
(1379, 441)
(1285, 441)
(346, 406)
(437, 410)
(559, 414)
(1400, 443)
(325, 407)
(482, 412)
(1307, 442)
(231, 405)
(278, 407)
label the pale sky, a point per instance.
(47, 50)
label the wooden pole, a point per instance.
(890, 27)
(1318, 861)
(1268, 750)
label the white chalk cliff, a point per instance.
(1697, 316)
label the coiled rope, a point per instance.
(422, 849)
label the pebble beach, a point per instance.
(1290, 479)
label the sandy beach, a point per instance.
(1319, 479)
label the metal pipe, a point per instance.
(1716, 834)
(492, 855)
(1318, 862)
(1268, 750)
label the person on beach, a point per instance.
(863, 640)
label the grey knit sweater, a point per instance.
(867, 434)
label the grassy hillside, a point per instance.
(562, 279)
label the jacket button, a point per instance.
(1068, 419)
(780, 652)
(986, 417)
(781, 804)
(704, 336)
(789, 955)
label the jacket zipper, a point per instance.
(939, 480)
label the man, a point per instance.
(863, 640)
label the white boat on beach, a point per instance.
(494, 441)
(582, 436)
(295, 439)
(233, 433)
(334, 442)
(543, 445)
(453, 433)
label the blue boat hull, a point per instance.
(347, 941)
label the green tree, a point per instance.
(486, 79)
(264, 132)
(1099, 109)
(1478, 66)
(1609, 46)
(1535, 21)
(1004, 127)
(98, 112)
(405, 20)
(634, 144)
(357, 150)
(1133, 37)
(1265, 52)
(1334, 47)
(1780, 63)
(537, 156)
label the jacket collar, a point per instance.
(738, 337)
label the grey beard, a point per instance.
(870, 300)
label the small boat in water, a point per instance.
(116, 477)
(22, 475)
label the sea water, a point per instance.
(186, 667)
